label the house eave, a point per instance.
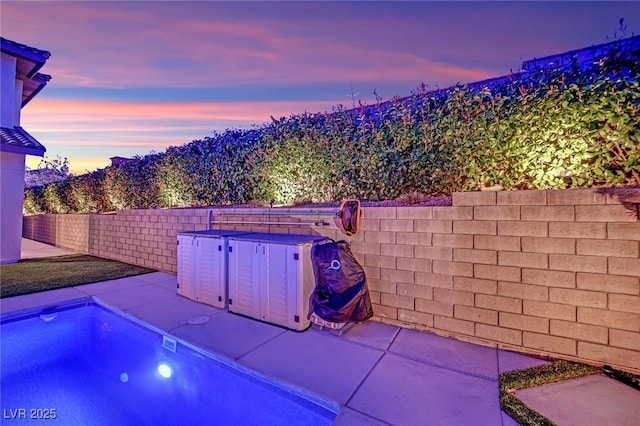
(19, 141)
(22, 150)
(42, 80)
(23, 52)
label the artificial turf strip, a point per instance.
(48, 273)
(512, 381)
(622, 376)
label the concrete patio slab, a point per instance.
(373, 334)
(587, 401)
(173, 312)
(18, 303)
(112, 285)
(229, 335)
(134, 295)
(508, 421)
(448, 353)
(508, 361)
(349, 417)
(401, 391)
(162, 279)
(331, 366)
(31, 249)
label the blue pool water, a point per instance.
(88, 366)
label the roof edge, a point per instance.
(42, 79)
(37, 56)
(17, 140)
(27, 52)
(21, 150)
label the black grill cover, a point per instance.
(341, 293)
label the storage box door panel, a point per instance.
(244, 278)
(306, 285)
(186, 279)
(210, 288)
(275, 291)
(297, 318)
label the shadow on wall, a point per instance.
(82, 233)
(628, 197)
(41, 228)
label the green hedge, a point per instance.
(571, 126)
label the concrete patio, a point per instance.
(374, 374)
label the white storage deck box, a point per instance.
(271, 277)
(203, 266)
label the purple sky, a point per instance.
(134, 77)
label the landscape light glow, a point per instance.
(165, 370)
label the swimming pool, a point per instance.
(87, 365)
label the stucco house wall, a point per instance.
(11, 165)
(12, 189)
(18, 65)
(9, 117)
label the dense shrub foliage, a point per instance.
(569, 125)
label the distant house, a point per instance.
(115, 161)
(20, 82)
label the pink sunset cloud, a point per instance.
(130, 77)
(218, 52)
(55, 114)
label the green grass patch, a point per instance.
(49, 273)
(512, 381)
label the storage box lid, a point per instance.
(212, 233)
(292, 239)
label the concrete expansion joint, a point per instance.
(444, 367)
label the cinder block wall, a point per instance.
(553, 273)
(141, 237)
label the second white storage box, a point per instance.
(271, 277)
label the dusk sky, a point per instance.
(129, 78)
